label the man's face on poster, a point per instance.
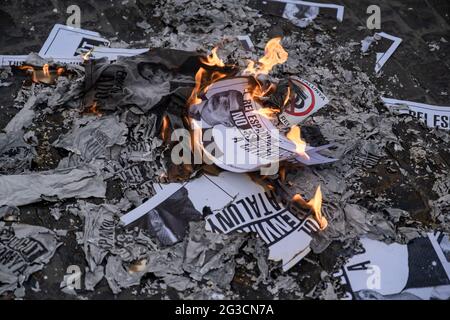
(216, 109)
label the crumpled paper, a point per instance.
(140, 81)
(24, 249)
(92, 138)
(20, 190)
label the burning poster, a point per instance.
(233, 203)
(419, 270)
(242, 137)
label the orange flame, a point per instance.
(45, 70)
(274, 54)
(267, 113)
(213, 59)
(44, 75)
(288, 95)
(204, 79)
(259, 92)
(94, 110)
(165, 128)
(294, 135)
(315, 205)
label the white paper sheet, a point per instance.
(65, 41)
(433, 116)
(339, 8)
(419, 270)
(383, 57)
(113, 53)
(240, 205)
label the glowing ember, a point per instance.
(45, 70)
(294, 135)
(315, 205)
(44, 75)
(274, 54)
(94, 110)
(288, 95)
(165, 129)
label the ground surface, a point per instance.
(416, 74)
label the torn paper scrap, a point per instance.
(7, 60)
(169, 225)
(24, 249)
(432, 116)
(418, 270)
(15, 155)
(65, 41)
(300, 13)
(92, 138)
(113, 53)
(246, 42)
(383, 57)
(141, 80)
(98, 237)
(20, 190)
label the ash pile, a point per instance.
(94, 203)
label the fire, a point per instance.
(274, 54)
(87, 55)
(268, 113)
(294, 135)
(45, 70)
(258, 91)
(94, 109)
(44, 75)
(288, 95)
(165, 128)
(213, 59)
(203, 78)
(315, 205)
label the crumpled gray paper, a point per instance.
(210, 256)
(118, 277)
(15, 154)
(92, 138)
(24, 249)
(98, 236)
(141, 80)
(19, 190)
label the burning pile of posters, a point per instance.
(182, 170)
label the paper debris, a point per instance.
(65, 41)
(418, 271)
(300, 13)
(432, 116)
(24, 249)
(92, 138)
(19, 190)
(383, 57)
(234, 203)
